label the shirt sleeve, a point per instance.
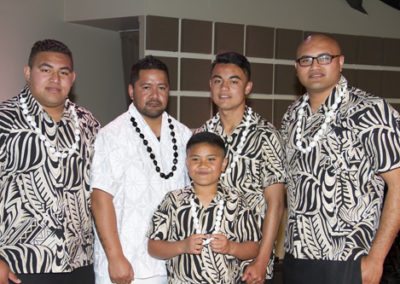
(273, 156)
(102, 168)
(380, 135)
(246, 226)
(160, 225)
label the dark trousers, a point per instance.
(83, 275)
(305, 271)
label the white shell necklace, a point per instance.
(329, 115)
(196, 222)
(239, 148)
(62, 153)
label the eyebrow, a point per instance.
(231, 77)
(208, 156)
(45, 64)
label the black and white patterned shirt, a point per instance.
(45, 219)
(260, 163)
(173, 221)
(335, 193)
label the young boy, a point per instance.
(206, 230)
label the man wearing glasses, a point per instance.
(342, 145)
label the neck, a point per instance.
(231, 118)
(317, 99)
(55, 113)
(154, 124)
(206, 193)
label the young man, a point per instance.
(342, 145)
(46, 232)
(255, 166)
(139, 157)
(205, 230)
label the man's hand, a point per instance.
(120, 270)
(193, 244)
(255, 272)
(6, 274)
(220, 244)
(371, 270)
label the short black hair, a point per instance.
(147, 63)
(51, 45)
(206, 137)
(235, 58)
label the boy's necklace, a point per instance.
(196, 222)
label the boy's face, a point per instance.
(205, 163)
(229, 86)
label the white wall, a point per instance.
(313, 15)
(97, 53)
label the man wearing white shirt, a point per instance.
(139, 157)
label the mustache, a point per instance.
(154, 102)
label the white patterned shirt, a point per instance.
(123, 168)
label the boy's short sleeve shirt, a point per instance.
(173, 221)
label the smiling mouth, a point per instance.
(316, 75)
(53, 89)
(224, 97)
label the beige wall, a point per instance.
(318, 15)
(97, 54)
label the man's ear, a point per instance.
(73, 76)
(224, 164)
(248, 88)
(27, 73)
(341, 62)
(130, 91)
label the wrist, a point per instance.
(231, 248)
(113, 255)
(262, 262)
(378, 259)
(182, 247)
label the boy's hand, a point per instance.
(220, 244)
(194, 244)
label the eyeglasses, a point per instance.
(322, 59)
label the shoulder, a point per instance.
(8, 113)
(290, 113)
(264, 128)
(234, 197)
(361, 102)
(181, 129)
(87, 117)
(177, 197)
(116, 126)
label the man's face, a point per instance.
(50, 79)
(150, 92)
(319, 79)
(229, 86)
(205, 163)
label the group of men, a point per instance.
(337, 149)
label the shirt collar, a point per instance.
(215, 124)
(36, 109)
(327, 105)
